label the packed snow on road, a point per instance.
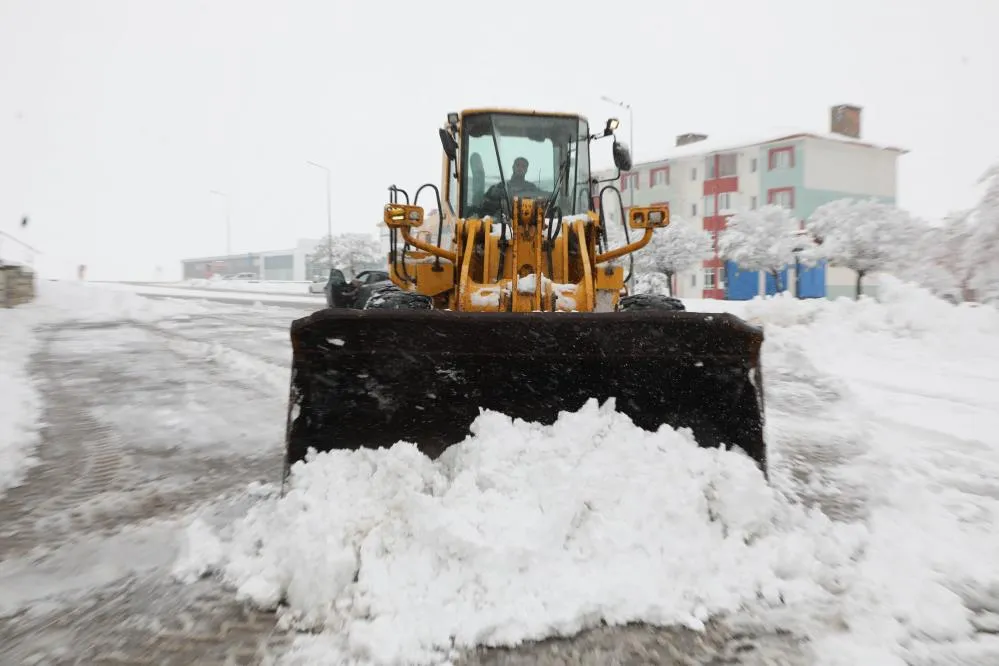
(875, 538)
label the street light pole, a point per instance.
(228, 224)
(631, 139)
(329, 211)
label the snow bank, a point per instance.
(21, 405)
(922, 379)
(523, 532)
(94, 303)
(900, 309)
(300, 288)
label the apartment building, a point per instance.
(709, 180)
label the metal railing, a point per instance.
(15, 252)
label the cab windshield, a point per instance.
(507, 155)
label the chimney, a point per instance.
(684, 139)
(845, 119)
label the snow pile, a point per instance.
(901, 309)
(877, 538)
(522, 532)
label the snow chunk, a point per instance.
(486, 297)
(526, 284)
(202, 552)
(525, 531)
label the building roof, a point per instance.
(776, 135)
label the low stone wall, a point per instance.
(17, 285)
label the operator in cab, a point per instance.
(518, 185)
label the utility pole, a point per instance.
(329, 211)
(228, 222)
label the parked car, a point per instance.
(353, 294)
(318, 285)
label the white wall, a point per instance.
(843, 282)
(845, 167)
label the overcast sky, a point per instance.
(117, 117)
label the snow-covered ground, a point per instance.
(265, 293)
(259, 286)
(129, 413)
(877, 538)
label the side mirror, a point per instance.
(649, 217)
(449, 144)
(622, 156)
(402, 215)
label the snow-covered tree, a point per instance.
(984, 247)
(942, 257)
(864, 235)
(672, 250)
(763, 239)
(352, 252)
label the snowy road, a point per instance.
(157, 411)
(144, 420)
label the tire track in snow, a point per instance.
(89, 475)
(77, 529)
(812, 431)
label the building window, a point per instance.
(693, 173)
(709, 278)
(629, 181)
(781, 158)
(693, 209)
(727, 165)
(659, 177)
(781, 196)
(721, 277)
(752, 203)
(693, 279)
(725, 202)
(752, 165)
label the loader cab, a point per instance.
(481, 147)
(555, 148)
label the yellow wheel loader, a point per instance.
(515, 303)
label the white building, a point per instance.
(288, 264)
(709, 180)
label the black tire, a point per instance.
(637, 302)
(390, 297)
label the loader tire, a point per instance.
(636, 302)
(393, 298)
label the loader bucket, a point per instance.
(369, 378)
